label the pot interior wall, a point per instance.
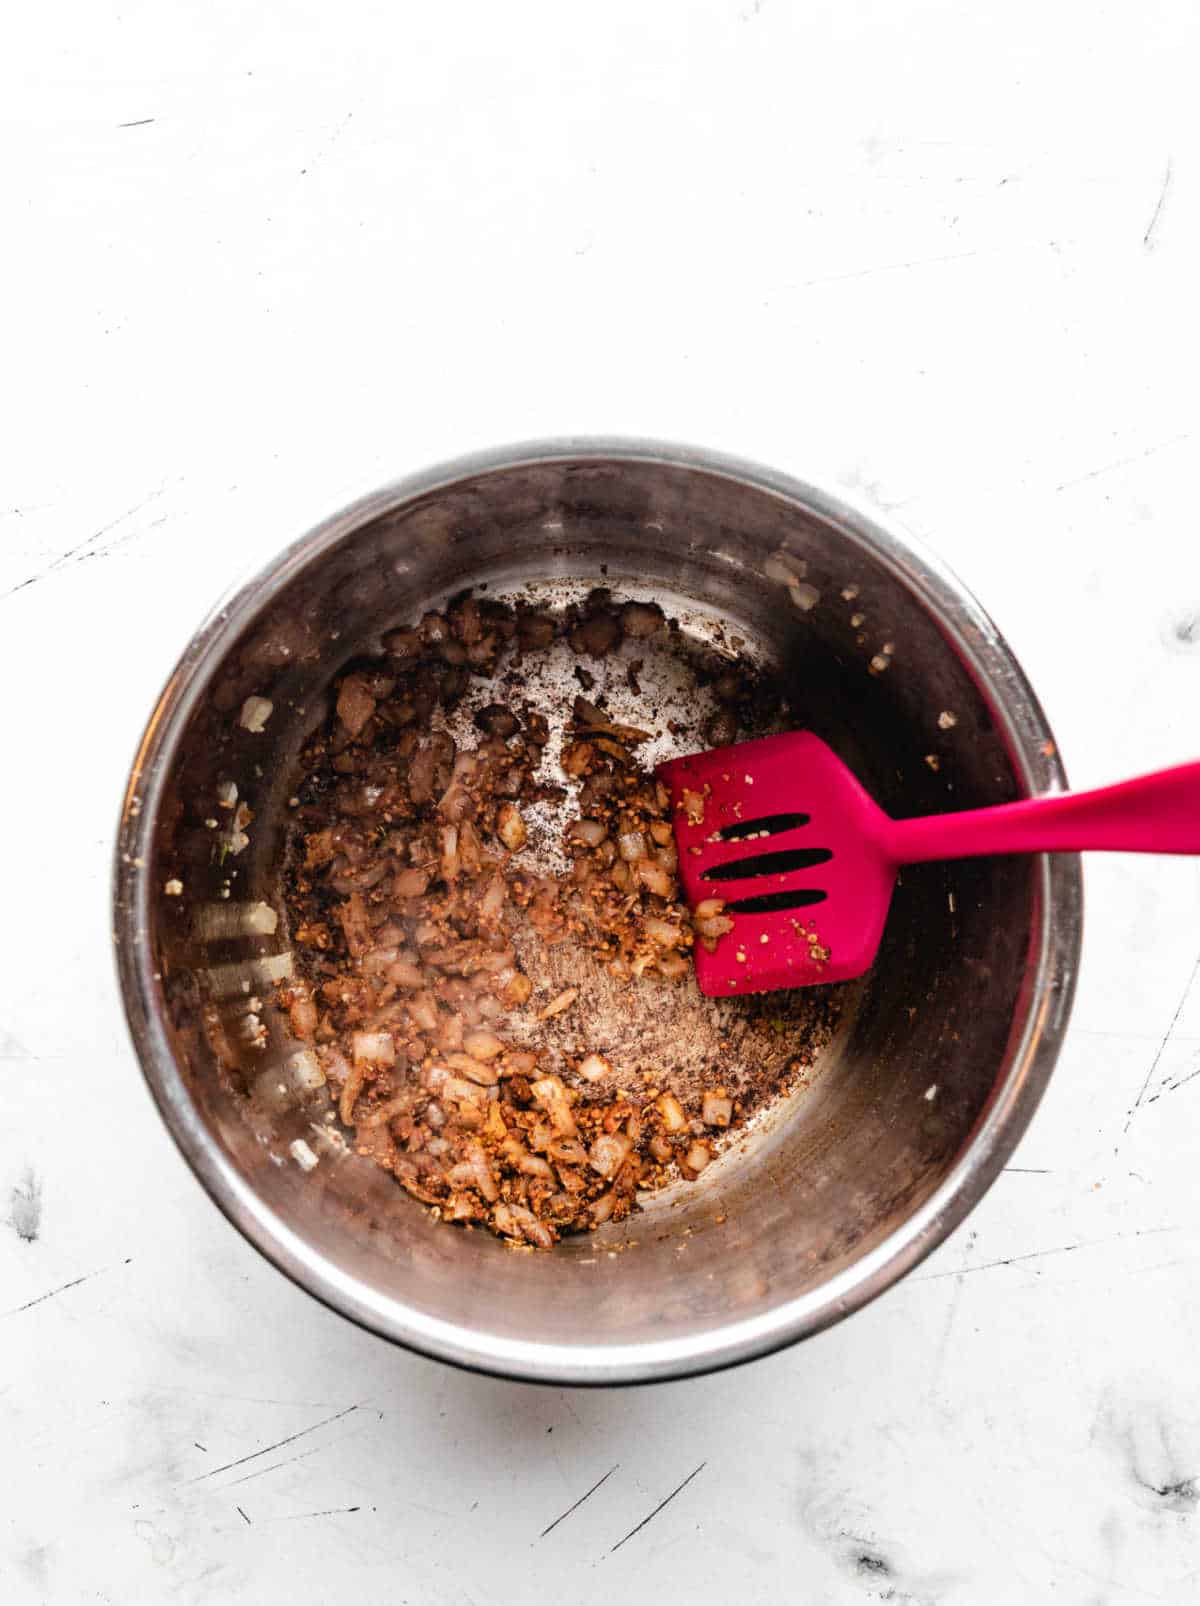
(924, 1039)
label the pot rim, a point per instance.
(1046, 998)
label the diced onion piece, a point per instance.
(631, 845)
(562, 1001)
(655, 878)
(449, 846)
(511, 827)
(593, 1066)
(516, 988)
(474, 1070)
(303, 1011)
(551, 1096)
(609, 1153)
(602, 1208)
(422, 1011)
(784, 569)
(671, 1111)
(716, 1109)
(492, 902)
(693, 806)
(376, 960)
(440, 1080)
(256, 711)
(388, 1110)
(351, 1088)
(304, 1069)
(516, 1221)
(474, 1171)
(406, 973)
(303, 1155)
(804, 596)
(374, 1048)
(225, 980)
(663, 932)
(567, 1151)
(217, 922)
(484, 1180)
(483, 1045)
(709, 920)
(589, 832)
(699, 1155)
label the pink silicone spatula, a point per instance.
(804, 861)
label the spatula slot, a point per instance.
(771, 902)
(767, 864)
(765, 825)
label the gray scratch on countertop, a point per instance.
(25, 1211)
(278, 1445)
(303, 1455)
(243, 1516)
(323, 150)
(86, 549)
(1148, 237)
(579, 1502)
(939, 1360)
(1170, 1087)
(1161, 1050)
(261, 1472)
(62, 1289)
(333, 1511)
(1040, 1254)
(1123, 462)
(659, 1507)
(1027, 1170)
(139, 122)
(885, 267)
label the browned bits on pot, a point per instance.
(642, 619)
(355, 704)
(596, 636)
(405, 645)
(535, 631)
(721, 728)
(497, 720)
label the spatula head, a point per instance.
(783, 834)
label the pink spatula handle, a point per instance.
(1157, 813)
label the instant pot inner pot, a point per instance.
(869, 1130)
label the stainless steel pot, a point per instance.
(912, 1110)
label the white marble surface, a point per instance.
(260, 258)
